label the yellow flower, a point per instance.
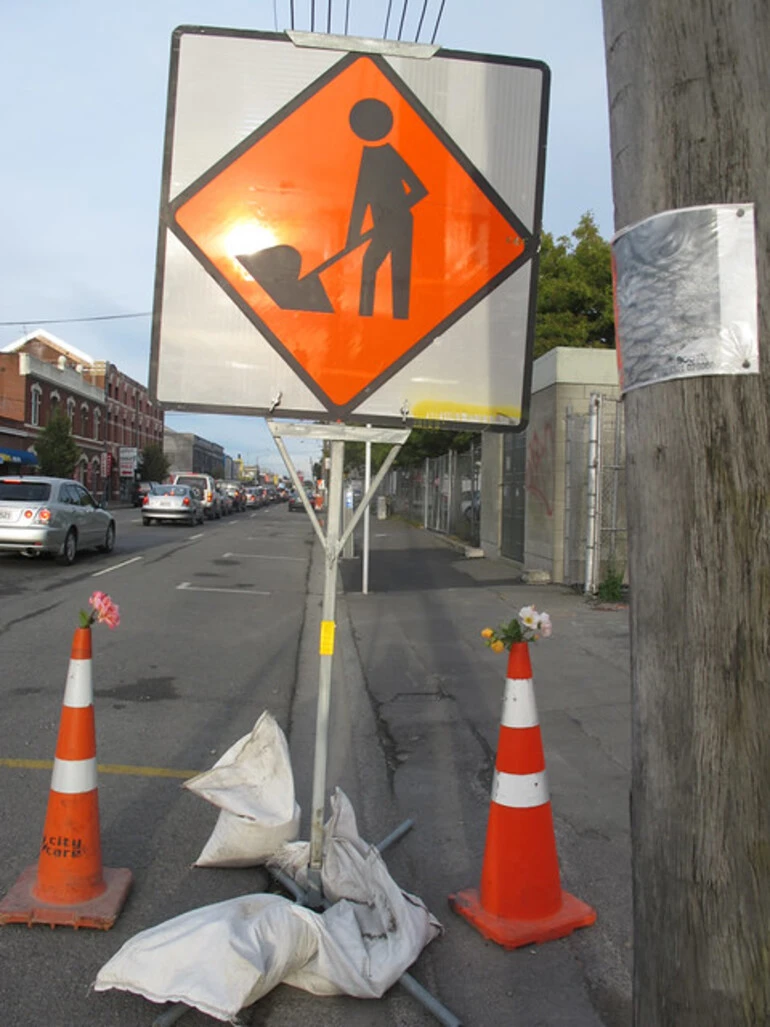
(487, 633)
(497, 647)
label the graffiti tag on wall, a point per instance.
(540, 466)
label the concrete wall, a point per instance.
(562, 378)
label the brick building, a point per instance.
(108, 410)
(133, 420)
(39, 373)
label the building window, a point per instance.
(54, 402)
(84, 420)
(71, 411)
(34, 411)
(97, 419)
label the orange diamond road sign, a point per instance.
(352, 231)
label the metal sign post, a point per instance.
(333, 543)
(367, 522)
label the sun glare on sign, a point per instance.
(247, 237)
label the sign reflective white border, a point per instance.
(215, 350)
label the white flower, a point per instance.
(528, 616)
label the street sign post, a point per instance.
(348, 236)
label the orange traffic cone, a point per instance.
(68, 885)
(521, 901)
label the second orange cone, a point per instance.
(68, 885)
(520, 900)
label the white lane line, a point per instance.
(185, 586)
(277, 538)
(263, 556)
(252, 516)
(192, 538)
(117, 566)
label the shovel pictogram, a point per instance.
(277, 270)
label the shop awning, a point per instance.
(16, 456)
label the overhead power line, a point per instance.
(438, 21)
(72, 320)
(403, 18)
(419, 23)
(387, 19)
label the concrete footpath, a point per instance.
(416, 713)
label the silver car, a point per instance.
(58, 516)
(177, 503)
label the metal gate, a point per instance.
(514, 496)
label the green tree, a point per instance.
(56, 450)
(422, 443)
(574, 302)
(155, 463)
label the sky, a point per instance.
(82, 125)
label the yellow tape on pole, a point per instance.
(326, 647)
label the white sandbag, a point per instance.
(218, 959)
(253, 785)
(374, 931)
(224, 957)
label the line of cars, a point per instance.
(191, 498)
(60, 517)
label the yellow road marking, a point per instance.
(104, 768)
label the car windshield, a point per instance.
(196, 483)
(170, 490)
(24, 491)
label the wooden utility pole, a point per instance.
(689, 94)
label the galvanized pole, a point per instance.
(326, 649)
(367, 521)
(592, 490)
(567, 493)
(426, 514)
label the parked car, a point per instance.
(253, 499)
(295, 502)
(57, 516)
(236, 492)
(204, 483)
(141, 489)
(177, 503)
(225, 501)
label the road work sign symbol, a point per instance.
(351, 229)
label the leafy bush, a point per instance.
(611, 589)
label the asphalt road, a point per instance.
(211, 620)
(222, 622)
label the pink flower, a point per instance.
(105, 611)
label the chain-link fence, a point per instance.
(595, 533)
(443, 494)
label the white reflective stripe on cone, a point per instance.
(73, 776)
(519, 709)
(78, 691)
(520, 791)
